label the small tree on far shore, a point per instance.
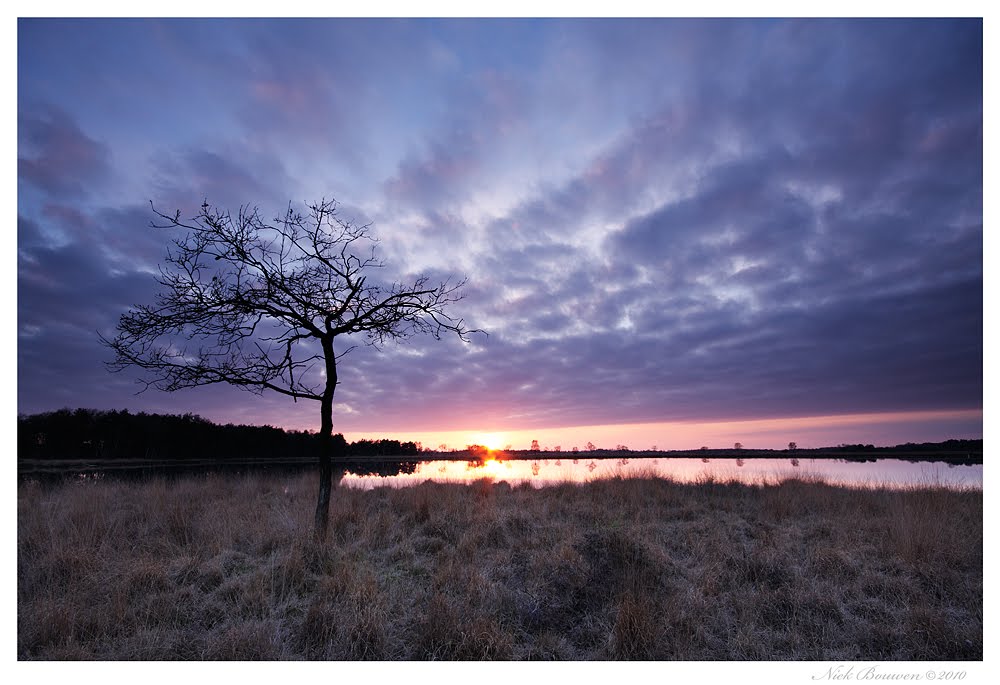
(259, 305)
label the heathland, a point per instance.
(225, 567)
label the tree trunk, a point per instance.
(326, 445)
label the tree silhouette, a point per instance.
(259, 304)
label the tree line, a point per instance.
(971, 446)
(120, 434)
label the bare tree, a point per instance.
(259, 305)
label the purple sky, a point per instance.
(662, 221)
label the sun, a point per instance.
(491, 441)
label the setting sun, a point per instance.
(491, 441)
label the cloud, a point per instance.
(709, 365)
(225, 174)
(660, 220)
(55, 156)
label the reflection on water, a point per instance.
(873, 473)
(139, 469)
(856, 471)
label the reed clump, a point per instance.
(224, 567)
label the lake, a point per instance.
(891, 473)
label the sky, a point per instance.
(675, 232)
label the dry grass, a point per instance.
(221, 567)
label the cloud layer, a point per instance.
(659, 220)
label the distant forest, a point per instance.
(93, 434)
(956, 446)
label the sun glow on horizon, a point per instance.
(491, 441)
(883, 429)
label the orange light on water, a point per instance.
(493, 465)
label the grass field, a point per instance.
(224, 567)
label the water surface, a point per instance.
(892, 473)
